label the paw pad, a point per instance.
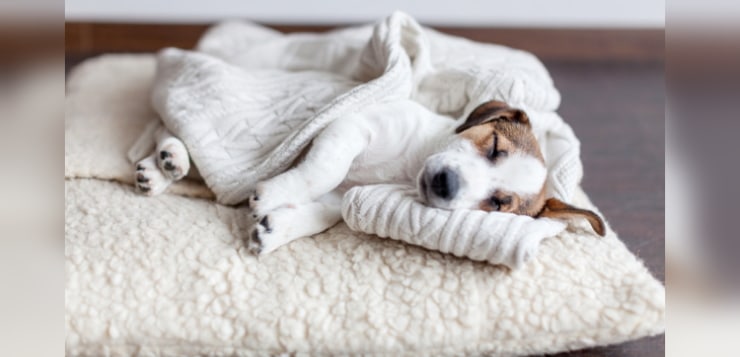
(148, 179)
(265, 222)
(255, 245)
(172, 165)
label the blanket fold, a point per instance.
(250, 99)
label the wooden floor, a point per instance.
(616, 108)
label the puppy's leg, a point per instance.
(286, 224)
(172, 156)
(324, 168)
(148, 178)
(168, 163)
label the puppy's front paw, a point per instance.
(148, 179)
(260, 237)
(173, 160)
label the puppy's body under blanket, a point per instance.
(100, 132)
(250, 99)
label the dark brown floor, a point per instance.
(617, 110)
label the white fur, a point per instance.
(479, 178)
(385, 143)
(177, 164)
(148, 178)
(279, 226)
(392, 142)
(156, 172)
(520, 173)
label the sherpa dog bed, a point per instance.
(170, 275)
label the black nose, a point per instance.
(445, 184)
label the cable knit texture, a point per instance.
(249, 99)
(393, 211)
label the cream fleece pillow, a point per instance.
(170, 276)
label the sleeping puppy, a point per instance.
(491, 162)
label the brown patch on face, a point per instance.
(527, 205)
(497, 130)
(493, 110)
(509, 138)
(495, 127)
(496, 122)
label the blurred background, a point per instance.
(31, 190)
(526, 13)
(580, 29)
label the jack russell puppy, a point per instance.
(491, 162)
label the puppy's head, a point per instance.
(494, 163)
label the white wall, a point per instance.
(496, 13)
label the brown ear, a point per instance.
(555, 208)
(493, 110)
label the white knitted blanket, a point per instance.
(250, 99)
(391, 211)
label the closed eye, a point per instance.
(496, 202)
(495, 153)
